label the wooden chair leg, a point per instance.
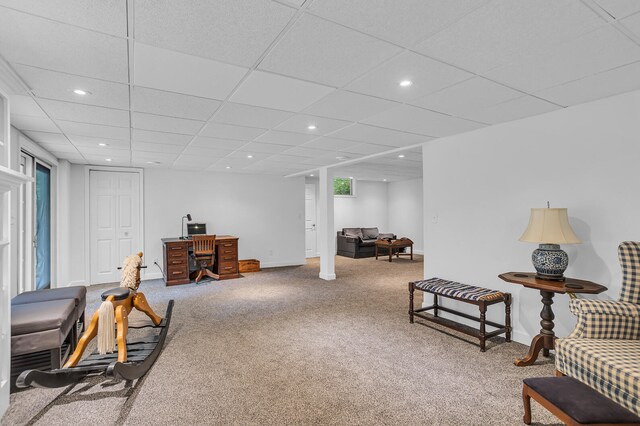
(507, 315)
(88, 335)
(411, 290)
(483, 332)
(526, 401)
(559, 373)
(141, 304)
(211, 274)
(122, 326)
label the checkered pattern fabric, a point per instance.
(605, 319)
(454, 289)
(629, 257)
(611, 367)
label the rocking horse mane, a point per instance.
(130, 271)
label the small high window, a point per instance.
(343, 187)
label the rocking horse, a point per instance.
(116, 356)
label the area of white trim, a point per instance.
(10, 179)
(327, 277)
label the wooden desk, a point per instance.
(176, 259)
(545, 341)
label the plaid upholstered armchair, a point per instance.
(603, 350)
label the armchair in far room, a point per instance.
(204, 254)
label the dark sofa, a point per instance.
(359, 242)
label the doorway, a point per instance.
(311, 239)
(115, 222)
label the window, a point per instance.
(343, 187)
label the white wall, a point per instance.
(481, 185)
(367, 209)
(265, 212)
(405, 211)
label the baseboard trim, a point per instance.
(421, 252)
(77, 283)
(281, 264)
(327, 277)
(152, 276)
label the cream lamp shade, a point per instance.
(549, 226)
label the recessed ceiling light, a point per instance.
(406, 83)
(102, 144)
(228, 167)
(350, 177)
(107, 159)
(401, 156)
(311, 127)
(342, 158)
(249, 156)
(311, 175)
(384, 180)
(81, 92)
(153, 162)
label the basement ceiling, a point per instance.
(281, 87)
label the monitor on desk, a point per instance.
(196, 228)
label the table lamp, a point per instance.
(550, 228)
(188, 217)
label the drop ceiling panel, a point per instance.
(156, 147)
(404, 22)
(525, 106)
(89, 141)
(40, 124)
(93, 130)
(60, 86)
(370, 134)
(341, 104)
(366, 149)
(218, 143)
(85, 113)
(68, 148)
(30, 40)
(306, 152)
(328, 143)
(299, 123)
(250, 116)
(177, 72)
(161, 157)
(620, 8)
(278, 92)
(45, 137)
(173, 104)
(193, 161)
(418, 120)
(208, 152)
(160, 137)
(267, 148)
(107, 16)
(633, 23)
(595, 52)
(165, 124)
(504, 30)
(25, 105)
(427, 76)
(285, 138)
(235, 31)
(469, 95)
(318, 50)
(244, 155)
(608, 83)
(227, 131)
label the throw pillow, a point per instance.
(370, 233)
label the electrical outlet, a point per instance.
(270, 252)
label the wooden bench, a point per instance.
(574, 403)
(481, 297)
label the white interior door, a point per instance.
(114, 222)
(311, 248)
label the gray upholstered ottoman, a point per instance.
(77, 293)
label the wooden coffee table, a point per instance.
(394, 246)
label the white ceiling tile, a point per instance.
(218, 143)
(45, 137)
(177, 72)
(235, 31)
(595, 52)
(620, 8)
(93, 130)
(378, 135)
(367, 149)
(278, 92)
(244, 155)
(427, 76)
(267, 148)
(160, 137)
(60, 86)
(40, 124)
(58, 147)
(25, 105)
(633, 23)
(31, 40)
(90, 141)
(505, 29)
(289, 160)
(285, 138)
(345, 105)
(417, 120)
(156, 147)
(608, 83)
(208, 152)
(306, 152)
(319, 161)
(74, 158)
(161, 157)
(105, 152)
(299, 123)
(250, 116)
(107, 16)
(325, 52)
(227, 131)
(165, 124)
(59, 110)
(172, 104)
(515, 109)
(195, 161)
(404, 22)
(470, 95)
(327, 143)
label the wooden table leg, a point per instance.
(546, 339)
(411, 251)
(390, 254)
(376, 252)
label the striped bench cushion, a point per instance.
(457, 290)
(609, 366)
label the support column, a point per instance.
(326, 233)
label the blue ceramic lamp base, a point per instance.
(550, 262)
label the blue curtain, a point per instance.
(43, 227)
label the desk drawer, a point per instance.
(225, 258)
(177, 272)
(228, 268)
(177, 260)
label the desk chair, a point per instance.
(204, 253)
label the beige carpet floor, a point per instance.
(282, 347)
